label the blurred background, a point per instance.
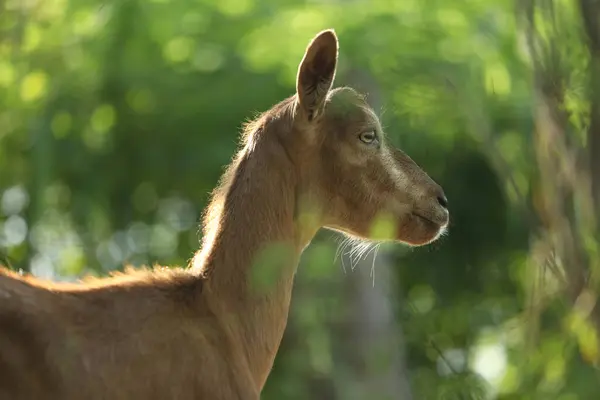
(118, 117)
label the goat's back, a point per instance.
(145, 337)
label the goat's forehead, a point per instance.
(348, 104)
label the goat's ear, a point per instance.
(316, 73)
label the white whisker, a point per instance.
(376, 247)
(340, 251)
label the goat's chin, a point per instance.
(411, 229)
(416, 230)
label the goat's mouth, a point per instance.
(431, 221)
(428, 221)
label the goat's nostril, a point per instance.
(443, 200)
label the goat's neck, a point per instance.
(252, 251)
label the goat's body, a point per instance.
(145, 336)
(212, 331)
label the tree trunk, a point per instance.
(590, 13)
(375, 336)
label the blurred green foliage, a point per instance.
(116, 119)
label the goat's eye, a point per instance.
(368, 137)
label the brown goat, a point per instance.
(212, 330)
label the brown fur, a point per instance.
(211, 331)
